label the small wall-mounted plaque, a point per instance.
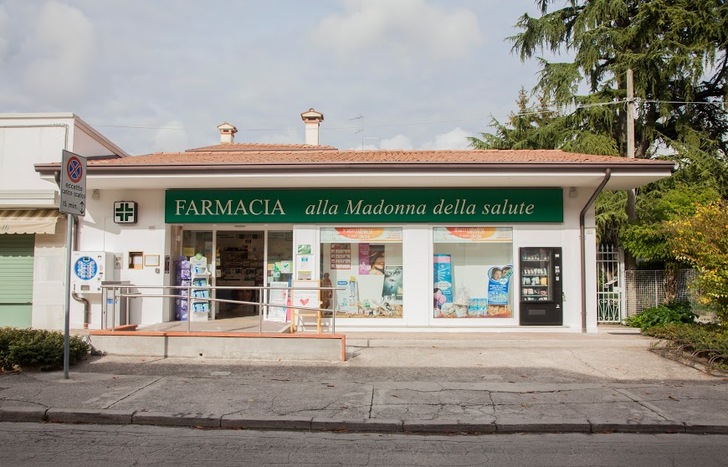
(136, 259)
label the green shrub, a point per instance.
(37, 349)
(674, 312)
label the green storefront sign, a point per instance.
(351, 206)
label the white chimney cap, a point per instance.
(312, 116)
(227, 132)
(311, 121)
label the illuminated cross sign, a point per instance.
(125, 212)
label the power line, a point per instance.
(424, 123)
(328, 128)
(621, 101)
(138, 127)
(721, 103)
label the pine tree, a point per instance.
(678, 50)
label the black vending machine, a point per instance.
(541, 290)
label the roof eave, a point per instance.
(125, 169)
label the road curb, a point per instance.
(249, 422)
(87, 416)
(182, 419)
(668, 427)
(706, 429)
(544, 427)
(23, 414)
(237, 421)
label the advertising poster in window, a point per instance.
(473, 235)
(499, 282)
(376, 260)
(363, 259)
(340, 256)
(361, 234)
(278, 301)
(304, 267)
(348, 299)
(305, 294)
(392, 288)
(442, 282)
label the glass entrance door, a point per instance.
(240, 260)
(240, 256)
(279, 256)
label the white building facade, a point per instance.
(32, 233)
(416, 240)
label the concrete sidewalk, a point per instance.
(425, 383)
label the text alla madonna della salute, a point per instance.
(352, 207)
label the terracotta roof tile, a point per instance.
(327, 156)
(248, 147)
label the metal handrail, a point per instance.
(122, 291)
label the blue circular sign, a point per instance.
(85, 268)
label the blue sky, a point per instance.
(161, 75)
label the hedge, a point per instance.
(37, 349)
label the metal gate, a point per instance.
(610, 277)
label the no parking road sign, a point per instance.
(73, 184)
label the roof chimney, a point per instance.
(312, 120)
(227, 132)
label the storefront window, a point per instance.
(367, 261)
(472, 272)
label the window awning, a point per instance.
(28, 221)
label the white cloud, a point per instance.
(4, 42)
(133, 66)
(287, 137)
(168, 140)
(404, 28)
(455, 139)
(396, 142)
(62, 50)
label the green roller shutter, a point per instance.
(16, 280)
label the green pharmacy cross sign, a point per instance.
(125, 212)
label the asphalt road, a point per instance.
(33, 444)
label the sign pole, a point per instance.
(67, 305)
(72, 203)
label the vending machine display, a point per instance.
(90, 269)
(541, 288)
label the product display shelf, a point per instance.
(200, 305)
(237, 264)
(535, 279)
(200, 297)
(183, 280)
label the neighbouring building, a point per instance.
(32, 233)
(461, 240)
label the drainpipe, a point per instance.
(79, 298)
(582, 234)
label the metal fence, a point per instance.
(116, 299)
(610, 277)
(647, 289)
